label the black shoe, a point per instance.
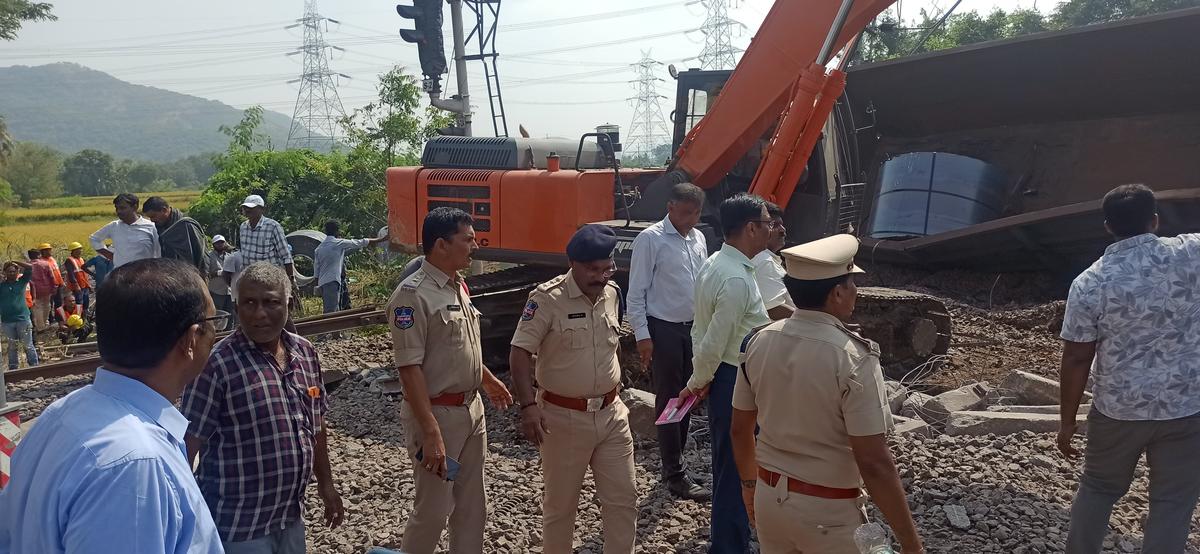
(688, 490)
(696, 478)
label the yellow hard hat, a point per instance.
(74, 321)
(44, 246)
(74, 245)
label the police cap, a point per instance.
(822, 259)
(592, 242)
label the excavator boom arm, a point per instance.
(760, 88)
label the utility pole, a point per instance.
(318, 108)
(427, 35)
(649, 128)
(719, 52)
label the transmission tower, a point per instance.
(719, 52)
(649, 127)
(318, 107)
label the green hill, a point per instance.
(71, 107)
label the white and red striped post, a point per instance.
(10, 433)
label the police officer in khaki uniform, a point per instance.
(815, 390)
(435, 338)
(571, 323)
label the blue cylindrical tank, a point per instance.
(926, 193)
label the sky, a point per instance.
(564, 66)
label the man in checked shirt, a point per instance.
(257, 416)
(262, 239)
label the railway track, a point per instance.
(83, 362)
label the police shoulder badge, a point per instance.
(530, 309)
(403, 318)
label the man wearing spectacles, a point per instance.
(768, 269)
(104, 468)
(728, 306)
(572, 324)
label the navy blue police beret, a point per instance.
(592, 242)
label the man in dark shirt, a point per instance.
(257, 416)
(179, 236)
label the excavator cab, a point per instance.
(811, 212)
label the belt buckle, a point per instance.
(595, 404)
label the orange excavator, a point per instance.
(757, 129)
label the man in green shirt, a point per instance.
(14, 313)
(728, 306)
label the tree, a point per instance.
(6, 193)
(142, 175)
(244, 136)
(393, 124)
(89, 173)
(13, 13)
(889, 38)
(6, 142)
(33, 172)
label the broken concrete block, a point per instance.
(1004, 423)
(938, 408)
(908, 426)
(896, 395)
(1049, 409)
(1028, 388)
(641, 413)
(914, 405)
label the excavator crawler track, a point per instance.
(912, 329)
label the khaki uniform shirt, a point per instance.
(574, 339)
(434, 325)
(814, 384)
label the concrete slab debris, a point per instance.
(1048, 409)
(896, 395)
(1030, 389)
(908, 426)
(970, 397)
(1004, 423)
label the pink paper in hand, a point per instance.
(674, 413)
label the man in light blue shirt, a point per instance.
(1132, 325)
(662, 276)
(330, 260)
(728, 306)
(104, 470)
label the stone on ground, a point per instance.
(641, 412)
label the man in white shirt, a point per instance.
(133, 236)
(768, 269)
(330, 258)
(666, 260)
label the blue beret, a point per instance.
(592, 242)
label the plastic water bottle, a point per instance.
(872, 539)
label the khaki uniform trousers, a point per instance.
(790, 522)
(578, 440)
(463, 501)
(41, 313)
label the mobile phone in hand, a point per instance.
(452, 465)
